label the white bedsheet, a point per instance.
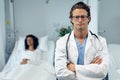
(30, 72)
(42, 71)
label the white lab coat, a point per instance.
(94, 47)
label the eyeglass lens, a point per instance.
(82, 17)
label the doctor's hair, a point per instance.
(35, 41)
(80, 5)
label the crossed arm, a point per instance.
(96, 60)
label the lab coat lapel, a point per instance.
(88, 43)
(73, 52)
(73, 49)
(88, 49)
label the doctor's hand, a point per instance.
(71, 66)
(97, 60)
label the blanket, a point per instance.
(35, 69)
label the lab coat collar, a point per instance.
(88, 43)
(74, 47)
(73, 39)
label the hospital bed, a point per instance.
(114, 70)
(47, 56)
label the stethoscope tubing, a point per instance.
(92, 43)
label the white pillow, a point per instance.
(43, 43)
(21, 43)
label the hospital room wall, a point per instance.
(43, 17)
(109, 20)
(2, 34)
(40, 17)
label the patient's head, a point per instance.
(31, 40)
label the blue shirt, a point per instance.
(81, 51)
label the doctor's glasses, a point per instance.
(78, 17)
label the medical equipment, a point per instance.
(100, 48)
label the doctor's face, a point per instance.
(80, 19)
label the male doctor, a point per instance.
(81, 55)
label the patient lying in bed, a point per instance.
(29, 66)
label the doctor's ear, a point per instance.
(89, 18)
(71, 21)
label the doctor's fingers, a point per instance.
(93, 61)
(96, 60)
(71, 67)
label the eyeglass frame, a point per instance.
(77, 17)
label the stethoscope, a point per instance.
(100, 48)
